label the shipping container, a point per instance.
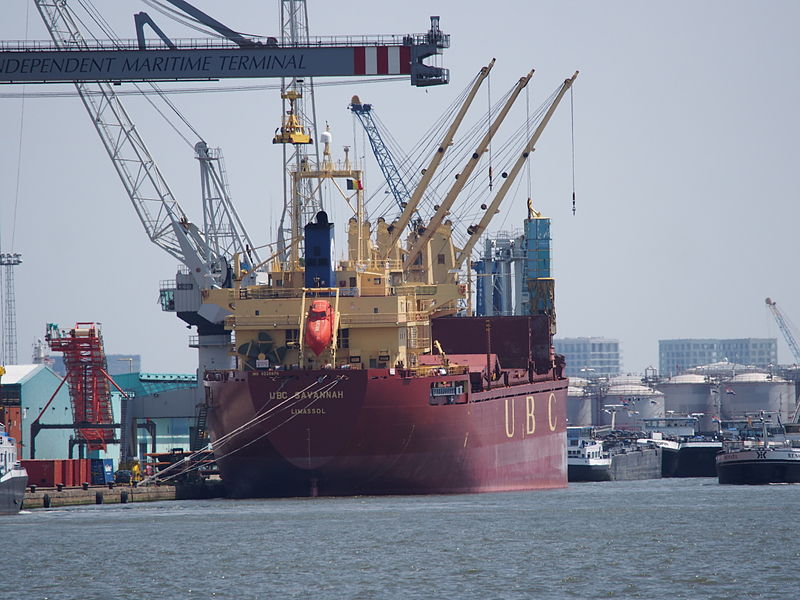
(67, 477)
(102, 471)
(43, 472)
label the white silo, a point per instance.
(580, 404)
(628, 404)
(750, 393)
(690, 394)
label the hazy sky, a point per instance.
(686, 164)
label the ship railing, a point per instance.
(419, 343)
(376, 266)
(346, 320)
(413, 290)
(263, 292)
(267, 292)
(438, 38)
(383, 318)
(434, 370)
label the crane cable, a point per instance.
(199, 90)
(572, 135)
(219, 443)
(528, 135)
(19, 146)
(104, 26)
(489, 122)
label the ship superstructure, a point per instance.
(366, 375)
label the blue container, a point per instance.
(102, 471)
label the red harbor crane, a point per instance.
(88, 379)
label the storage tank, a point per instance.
(630, 403)
(750, 393)
(625, 380)
(690, 394)
(580, 405)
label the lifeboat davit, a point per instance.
(319, 326)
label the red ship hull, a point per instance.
(374, 431)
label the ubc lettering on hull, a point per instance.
(530, 416)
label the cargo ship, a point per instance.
(370, 375)
(13, 477)
(771, 455)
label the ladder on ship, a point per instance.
(199, 438)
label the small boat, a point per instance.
(757, 458)
(602, 454)
(13, 476)
(586, 458)
(686, 451)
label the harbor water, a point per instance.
(668, 538)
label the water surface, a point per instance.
(670, 538)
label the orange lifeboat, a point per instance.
(319, 326)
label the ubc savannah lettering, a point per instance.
(328, 394)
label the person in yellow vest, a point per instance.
(136, 472)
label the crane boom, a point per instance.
(224, 233)
(461, 178)
(477, 230)
(163, 219)
(72, 59)
(783, 325)
(438, 156)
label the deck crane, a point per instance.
(461, 179)
(475, 231)
(785, 327)
(396, 228)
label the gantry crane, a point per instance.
(71, 59)
(386, 162)
(206, 254)
(785, 327)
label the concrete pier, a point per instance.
(119, 494)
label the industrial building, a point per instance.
(24, 392)
(676, 356)
(157, 414)
(590, 357)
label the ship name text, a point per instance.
(327, 394)
(308, 411)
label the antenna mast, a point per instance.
(9, 261)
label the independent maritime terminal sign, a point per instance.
(137, 65)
